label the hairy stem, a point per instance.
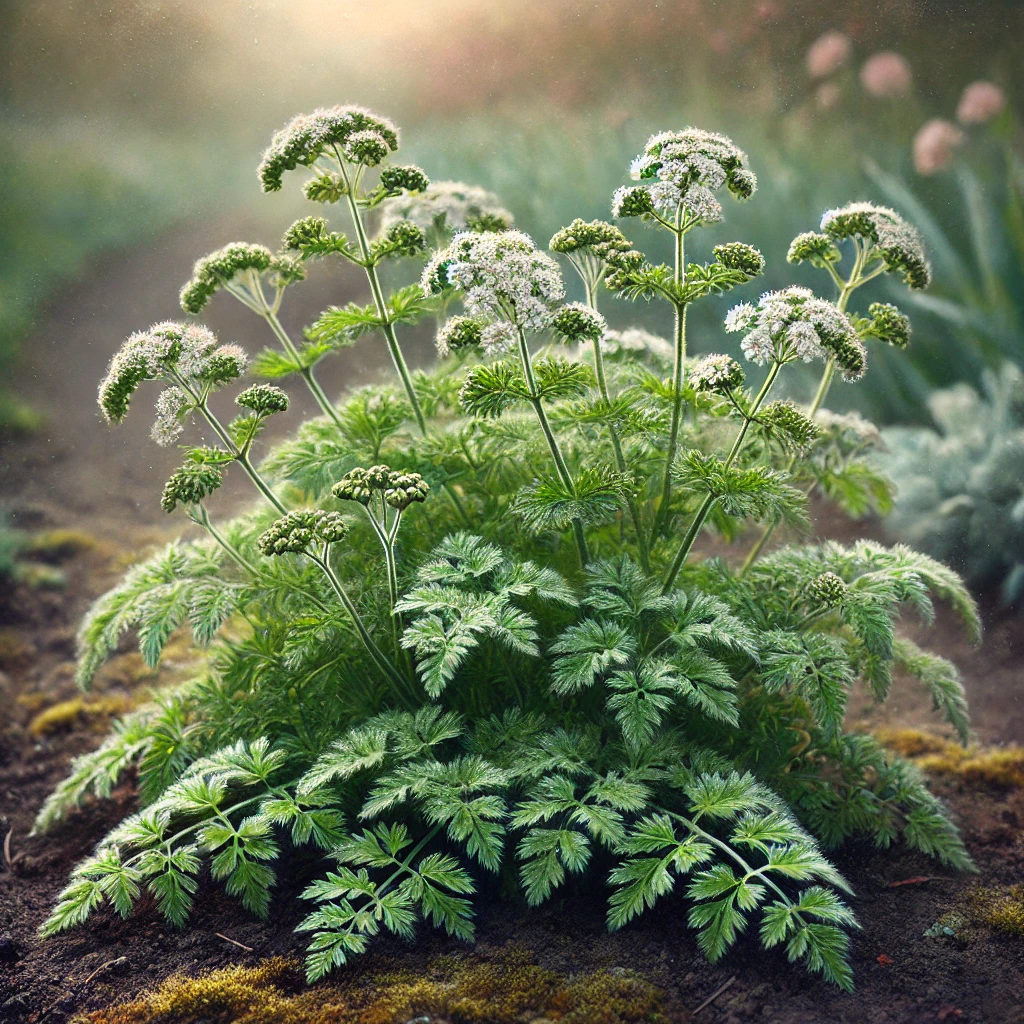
(202, 518)
(560, 467)
(705, 509)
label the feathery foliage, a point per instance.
(466, 631)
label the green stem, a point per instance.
(561, 468)
(378, 300)
(375, 652)
(620, 459)
(326, 406)
(705, 509)
(678, 369)
(203, 520)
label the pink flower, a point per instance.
(827, 53)
(886, 75)
(980, 102)
(828, 95)
(934, 145)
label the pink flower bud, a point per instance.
(934, 145)
(980, 102)
(886, 75)
(828, 53)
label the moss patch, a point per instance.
(997, 766)
(70, 713)
(503, 987)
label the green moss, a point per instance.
(503, 987)
(994, 766)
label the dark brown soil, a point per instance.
(79, 474)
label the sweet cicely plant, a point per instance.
(465, 628)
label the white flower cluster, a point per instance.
(446, 207)
(795, 324)
(507, 282)
(635, 342)
(173, 353)
(686, 169)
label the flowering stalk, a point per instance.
(556, 454)
(240, 455)
(201, 517)
(370, 267)
(882, 243)
(700, 517)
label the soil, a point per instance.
(79, 474)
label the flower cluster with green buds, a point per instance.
(263, 399)
(459, 333)
(190, 484)
(186, 357)
(505, 278)
(398, 489)
(574, 322)
(888, 324)
(603, 240)
(444, 208)
(718, 374)
(894, 241)
(296, 531)
(401, 238)
(788, 425)
(686, 169)
(740, 256)
(794, 324)
(219, 269)
(828, 589)
(813, 247)
(353, 130)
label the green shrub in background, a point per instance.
(466, 632)
(961, 486)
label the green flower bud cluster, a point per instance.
(355, 130)
(398, 488)
(597, 236)
(459, 332)
(897, 243)
(402, 238)
(575, 321)
(787, 425)
(828, 589)
(740, 256)
(212, 272)
(400, 178)
(191, 484)
(888, 324)
(224, 364)
(297, 530)
(813, 246)
(326, 187)
(484, 222)
(263, 399)
(366, 147)
(717, 373)
(632, 201)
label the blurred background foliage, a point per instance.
(120, 120)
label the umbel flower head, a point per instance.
(740, 256)
(828, 589)
(459, 332)
(399, 489)
(717, 373)
(296, 531)
(168, 352)
(795, 324)
(819, 249)
(893, 240)
(888, 324)
(444, 208)
(506, 279)
(263, 399)
(361, 136)
(786, 424)
(685, 169)
(575, 322)
(191, 484)
(213, 272)
(603, 240)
